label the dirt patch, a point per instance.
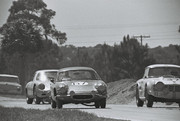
(121, 92)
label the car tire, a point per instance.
(53, 103)
(49, 102)
(97, 104)
(29, 100)
(59, 104)
(103, 103)
(139, 102)
(149, 99)
(37, 100)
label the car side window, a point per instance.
(61, 76)
(38, 76)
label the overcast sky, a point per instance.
(91, 22)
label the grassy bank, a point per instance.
(20, 114)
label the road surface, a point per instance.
(159, 112)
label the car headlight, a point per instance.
(159, 86)
(101, 87)
(18, 88)
(41, 86)
(62, 88)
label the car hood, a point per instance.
(167, 81)
(82, 82)
(9, 83)
(47, 85)
(82, 85)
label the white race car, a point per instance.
(160, 83)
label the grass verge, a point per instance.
(20, 114)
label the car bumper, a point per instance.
(167, 95)
(43, 93)
(169, 92)
(80, 97)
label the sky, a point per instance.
(92, 22)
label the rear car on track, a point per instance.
(9, 84)
(160, 83)
(39, 88)
(78, 85)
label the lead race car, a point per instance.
(160, 83)
(39, 88)
(78, 85)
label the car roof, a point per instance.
(8, 75)
(76, 68)
(46, 70)
(163, 65)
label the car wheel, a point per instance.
(97, 104)
(37, 100)
(103, 103)
(49, 102)
(29, 100)
(59, 104)
(43, 101)
(149, 99)
(179, 104)
(53, 103)
(139, 102)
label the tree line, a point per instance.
(27, 46)
(126, 60)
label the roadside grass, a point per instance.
(20, 114)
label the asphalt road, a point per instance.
(159, 112)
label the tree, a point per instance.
(21, 36)
(28, 22)
(102, 62)
(130, 59)
(26, 29)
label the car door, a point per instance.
(30, 86)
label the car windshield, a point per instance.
(46, 76)
(79, 75)
(9, 79)
(164, 71)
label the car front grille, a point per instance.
(175, 88)
(82, 97)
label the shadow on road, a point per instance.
(169, 108)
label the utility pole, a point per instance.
(141, 36)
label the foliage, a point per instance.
(102, 62)
(28, 32)
(21, 36)
(28, 22)
(131, 60)
(124, 60)
(166, 55)
(20, 114)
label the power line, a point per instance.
(113, 26)
(141, 36)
